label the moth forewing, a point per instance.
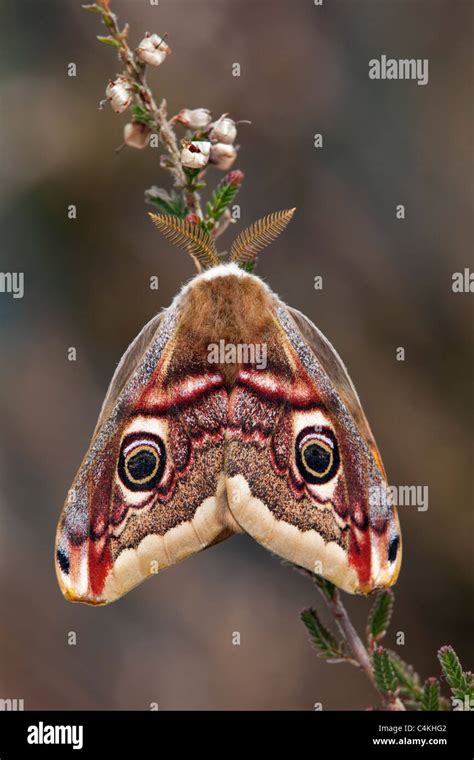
(149, 491)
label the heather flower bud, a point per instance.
(195, 155)
(192, 219)
(136, 135)
(153, 50)
(119, 93)
(235, 177)
(223, 130)
(196, 118)
(223, 156)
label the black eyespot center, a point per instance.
(317, 454)
(317, 457)
(142, 461)
(393, 548)
(141, 464)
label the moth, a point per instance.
(188, 451)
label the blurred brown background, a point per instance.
(387, 283)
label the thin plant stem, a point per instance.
(158, 114)
(356, 646)
(360, 655)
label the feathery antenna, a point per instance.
(260, 234)
(196, 241)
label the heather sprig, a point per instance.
(190, 142)
(398, 685)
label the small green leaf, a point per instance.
(459, 682)
(109, 41)
(107, 20)
(408, 679)
(92, 8)
(142, 116)
(221, 199)
(380, 615)
(323, 640)
(191, 174)
(384, 674)
(327, 588)
(430, 699)
(170, 204)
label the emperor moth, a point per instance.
(187, 452)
